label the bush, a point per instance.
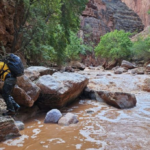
(141, 48)
(76, 47)
(114, 45)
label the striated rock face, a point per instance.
(141, 7)
(102, 16)
(8, 129)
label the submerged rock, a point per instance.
(118, 99)
(59, 89)
(68, 119)
(53, 116)
(19, 124)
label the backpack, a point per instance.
(14, 64)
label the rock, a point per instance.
(141, 7)
(19, 124)
(88, 94)
(77, 65)
(41, 70)
(68, 119)
(147, 69)
(7, 16)
(25, 113)
(106, 16)
(2, 105)
(8, 129)
(139, 70)
(118, 99)
(127, 64)
(32, 75)
(120, 70)
(53, 116)
(21, 97)
(59, 89)
(69, 69)
(27, 92)
(146, 85)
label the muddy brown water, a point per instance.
(100, 127)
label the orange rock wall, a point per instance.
(141, 7)
(6, 23)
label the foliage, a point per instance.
(141, 48)
(44, 30)
(76, 47)
(114, 45)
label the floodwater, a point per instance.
(100, 127)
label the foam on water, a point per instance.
(17, 142)
(36, 132)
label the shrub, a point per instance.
(76, 47)
(141, 48)
(114, 45)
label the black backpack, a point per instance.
(15, 65)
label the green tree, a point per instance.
(114, 45)
(141, 48)
(44, 28)
(76, 47)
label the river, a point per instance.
(100, 127)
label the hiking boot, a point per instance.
(9, 113)
(17, 107)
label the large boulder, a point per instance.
(59, 89)
(118, 99)
(26, 92)
(8, 129)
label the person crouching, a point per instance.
(9, 83)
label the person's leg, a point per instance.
(6, 91)
(16, 106)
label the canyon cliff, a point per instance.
(7, 18)
(102, 16)
(141, 7)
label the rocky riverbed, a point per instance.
(100, 125)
